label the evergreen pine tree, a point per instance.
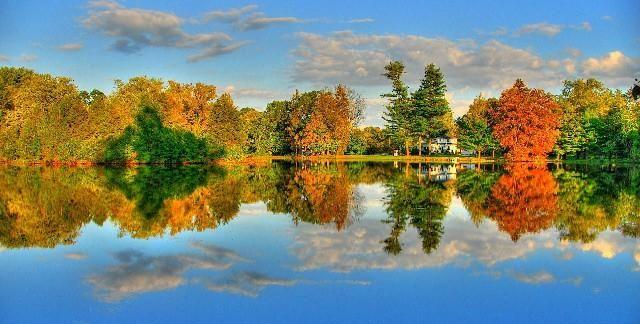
(432, 115)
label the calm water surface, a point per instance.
(355, 242)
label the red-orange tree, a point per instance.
(526, 122)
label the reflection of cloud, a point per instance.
(218, 252)
(358, 247)
(70, 47)
(138, 273)
(534, 278)
(247, 284)
(605, 245)
(75, 256)
(543, 277)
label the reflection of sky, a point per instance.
(261, 268)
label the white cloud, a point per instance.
(70, 47)
(361, 20)
(28, 58)
(469, 67)
(104, 4)
(584, 26)
(259, 21)
(134, 29)
(359, 59)
(573, 52)
(229, 16)
(247, 18)
(215, 50)
(613, 63)
(542, 28)
(4, 58)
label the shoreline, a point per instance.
(263, 160)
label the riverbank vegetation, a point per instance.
(47, 119)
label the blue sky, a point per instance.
(261, 51)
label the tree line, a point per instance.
(586, 120)
(44, 118)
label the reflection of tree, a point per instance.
(579, 219)
(474, 189)
(44, 207)
(523, 200)
(422, 204)
(595, 199)
(180, 198)
(318, 194)
(149, 187)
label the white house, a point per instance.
(444, 145)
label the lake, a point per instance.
(321, 242)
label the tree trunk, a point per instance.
(420, 146)
(479, 155)
(406, 147)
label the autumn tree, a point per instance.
(299, 110)
(333, 116)
(44, 119)
(225, 126)
(526, 122)
(189, 106)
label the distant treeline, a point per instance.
(44, 118)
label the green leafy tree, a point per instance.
(474, 128)
(149, 141)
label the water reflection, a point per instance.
(45, 207)
(246, 238)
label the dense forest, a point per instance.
(44, 118)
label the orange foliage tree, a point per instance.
(329, 127)
(526, 122)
